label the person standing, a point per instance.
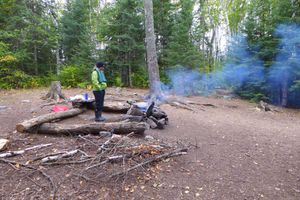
(99, 86)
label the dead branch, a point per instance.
(15, 153)
(58, 157)
(93, 143)
(176, 152)
(50, 180)
(109, 159)
(69, 162)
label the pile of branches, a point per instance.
(96, 159)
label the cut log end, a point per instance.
(20, 128)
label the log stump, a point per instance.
(55, 92)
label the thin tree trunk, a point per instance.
(152, 64)
(284, 92)
(58, 62)
(36, 70)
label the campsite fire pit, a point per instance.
(137, 111)
(152, 115)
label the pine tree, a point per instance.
(120, 29)
(76, 33)
(180, 49)
(27, 28)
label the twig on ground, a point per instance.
(109, 159)
(80, 136)
(58, 157)
(176, 152)
(15, 153)
(52, 185)
(69, 162)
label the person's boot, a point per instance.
(98, 117)
(101, 118)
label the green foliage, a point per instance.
(180, 49)
(75, 76)
(120, 27)
(140, 78)
(10, 78)
(76, 33)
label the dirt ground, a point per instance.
(235, 152)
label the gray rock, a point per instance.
(105, 134)
(149, 137)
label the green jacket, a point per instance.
(97, 85)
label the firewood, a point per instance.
(19, 152)
(134, 110)
(154, 119)
(158, 113)
(152, 124)
(93, 128)
(161, 123)
(58, 157)
(28, 124)
(116, 107)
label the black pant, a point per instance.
(99, 98)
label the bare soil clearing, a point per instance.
(236, 152)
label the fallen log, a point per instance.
(113, 107)
(28, 124)
(93, 128)
(116, 107)
(131, 118)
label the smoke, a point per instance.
(284, 74)
(246, 74)
(238, 70)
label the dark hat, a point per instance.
(100, 64)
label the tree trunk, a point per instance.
(28, 124)
(36, 70)
(284, 92)
(55, 91)
(58, 62)
(129, 76)
(152, 64)
(93, 128)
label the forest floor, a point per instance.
(235, 152)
